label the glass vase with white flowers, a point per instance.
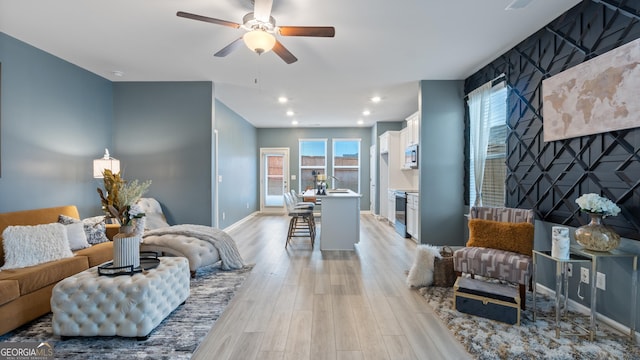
(595, 235)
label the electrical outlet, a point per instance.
(569, 269)
(247, 205)
(584, 275)
(223, 215)
(601, 281)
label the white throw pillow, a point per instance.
(94, 227)
(421, 273)
(32, 245)
(77, 237)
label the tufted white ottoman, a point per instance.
(87, 304)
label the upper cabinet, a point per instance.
(413, 129)
(384, 143)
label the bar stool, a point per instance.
(299, 201)
(302, 223)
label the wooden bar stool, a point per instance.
(302, 223)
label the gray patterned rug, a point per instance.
(488, 339)
(177, 337)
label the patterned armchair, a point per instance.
(511, 258)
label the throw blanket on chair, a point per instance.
(226, 246)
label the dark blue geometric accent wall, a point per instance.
(549, 176)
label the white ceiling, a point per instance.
(381, 48)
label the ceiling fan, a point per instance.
(261, 29)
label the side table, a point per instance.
(580, 255)
(562, 281)
(595, 256)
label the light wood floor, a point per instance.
(301, 304)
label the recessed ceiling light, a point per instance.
(360, 122)
(282, 100)
(290, 112)
(118, 73)
(376, 99)
(366, 113)
(294, 122)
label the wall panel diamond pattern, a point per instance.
(548, 177)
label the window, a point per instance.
(346, 164)
(493, 115)
(313, 159)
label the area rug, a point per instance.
(177, 337)
(489, 339)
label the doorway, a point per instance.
(274, 175)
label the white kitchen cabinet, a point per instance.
(413, 216)
(384, 143)
(404, 142)
(392, 176)
(413, 129)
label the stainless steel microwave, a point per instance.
(411, 157)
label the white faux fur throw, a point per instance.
(421, 273)
(32, 245)
(225, 245)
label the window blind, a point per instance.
(495, 169)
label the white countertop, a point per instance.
(333, 193)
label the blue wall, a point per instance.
(56, 118)
(238, 165)
(288, 137)
(163, 131)
(441, 162)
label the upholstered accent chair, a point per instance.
(500, 246)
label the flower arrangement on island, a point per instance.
(119, 197)
(596, 204)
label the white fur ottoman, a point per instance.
(87, 304)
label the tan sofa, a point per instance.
(25, 293)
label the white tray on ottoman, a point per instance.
(87, 304)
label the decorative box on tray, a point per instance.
(489, 300)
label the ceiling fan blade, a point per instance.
(208, 19)
(229, 48)
(262, 9)
(284, 54)
(318, 31)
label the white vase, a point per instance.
(126, 250)
(560, 243)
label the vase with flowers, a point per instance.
(595, 235)
(119, 199)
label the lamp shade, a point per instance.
(259, 41)
(106, 162)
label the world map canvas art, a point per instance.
(596, 96)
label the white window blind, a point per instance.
(495, 169)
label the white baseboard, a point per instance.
(576, 306)
(241, 221)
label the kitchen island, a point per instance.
(340, 219)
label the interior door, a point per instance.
(274, 175)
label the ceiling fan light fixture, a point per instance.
(259, 41)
